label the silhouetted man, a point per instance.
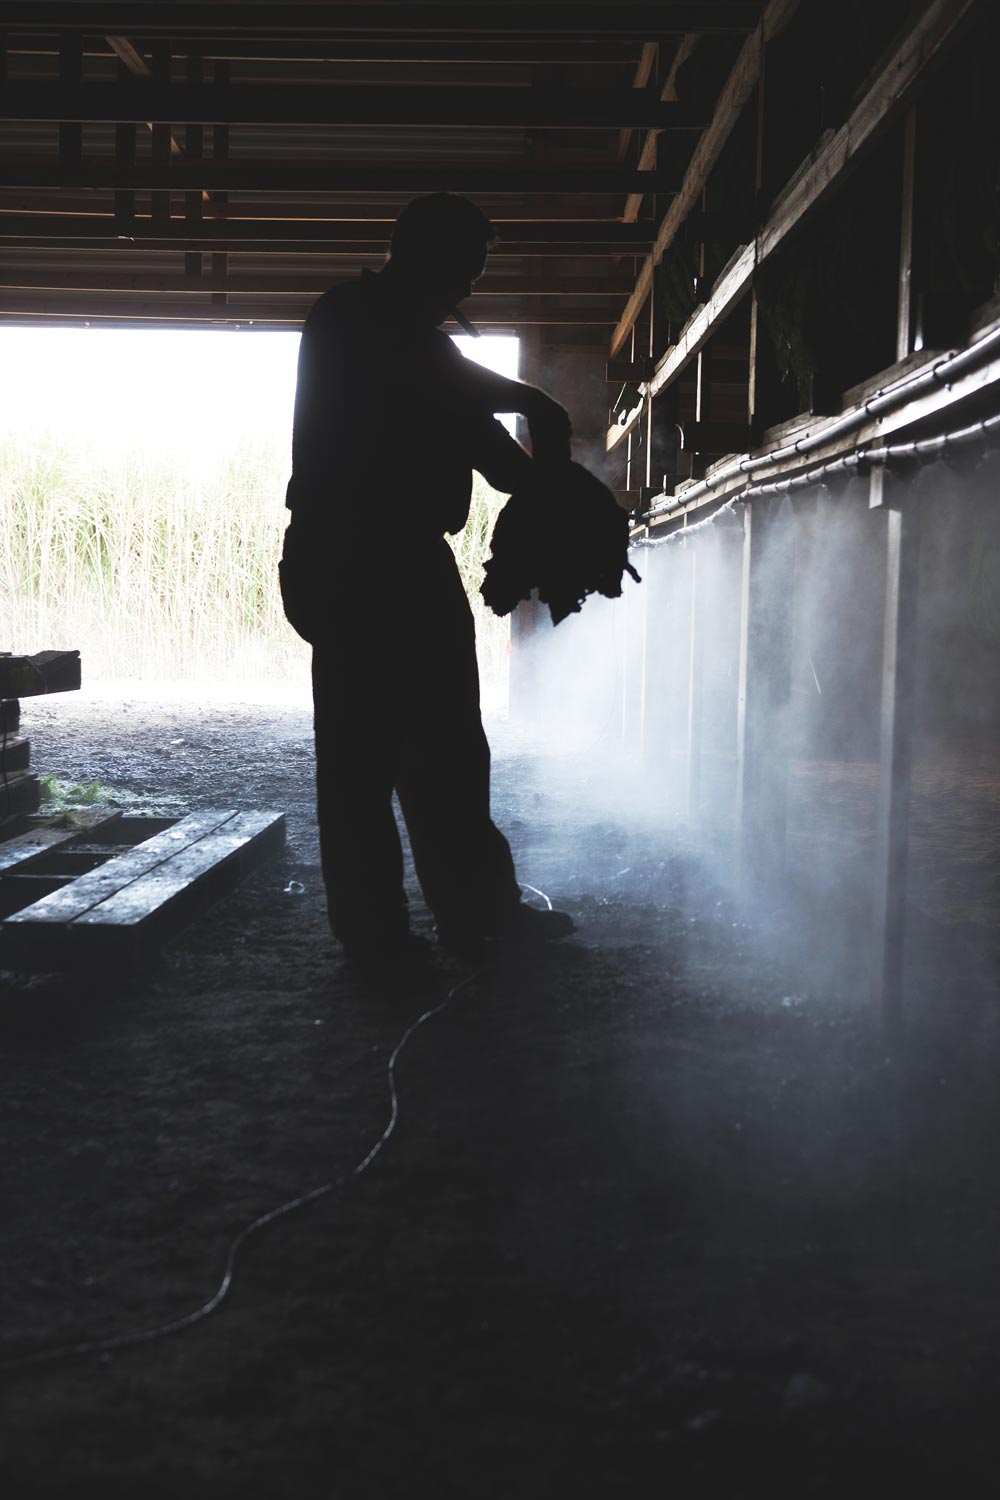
(390, 420)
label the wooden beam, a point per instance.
(292, 285)
(889, 94)
(386, 50)
(895, 754)
(312, 104)
(614, 236)
(88, 307)
(585, 18)
(905, 303)
(268, 176)
(647, 156)
(59, 205)
(734, 96)
(643, 73)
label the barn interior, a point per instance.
(704, 1197)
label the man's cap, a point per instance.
(439, 223)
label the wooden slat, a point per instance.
(29, 278)
(45, 672)
(887, 96)
(737, 91)
(585, 18)
(90, 890)
(620, 238)
(25, 846)
(141, 101)
(277, 176)
(122, 312)
(647, 156)
(182, 872)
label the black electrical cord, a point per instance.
(83, 1347)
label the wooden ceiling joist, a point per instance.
(586, 18)
(886, 97)
(264, 285)
(264, 176)
(137, 101)
(616, 237)
(737, 90)
(385, 51)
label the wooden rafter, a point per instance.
(585, 18)
(887, 96)
(614, 236)
(647, 156)
(140, 101)
(330, 177)
(734, 96)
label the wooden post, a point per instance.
(766, 591)
(905, 333)
(895, 751)
(694, 685)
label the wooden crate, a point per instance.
(84, 908)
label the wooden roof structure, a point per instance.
(654, 167)
(223, 162)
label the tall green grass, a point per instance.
(155, 570)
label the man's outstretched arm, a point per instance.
(548, 422)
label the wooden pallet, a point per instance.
(113, 891)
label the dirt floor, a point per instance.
(661, 1217)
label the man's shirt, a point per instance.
(388, 417)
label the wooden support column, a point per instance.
(766, 595)
(694, 684)
(896, 724)
(905, 326)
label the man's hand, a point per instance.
(549, 429)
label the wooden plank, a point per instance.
(24, 846)
(585, 18)
(891, 854)
(296, 285)
(45, 672)
(15, 752)
(737, 91)
(90, 890)
(643, 73)
(285, 315)
(647, 156)
(889, 94)
(134, 919)
(565, 234)
(905, 304)
(279, 176)
(185, 871)
(142, 101)
(10, 715)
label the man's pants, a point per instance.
(396, 694)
